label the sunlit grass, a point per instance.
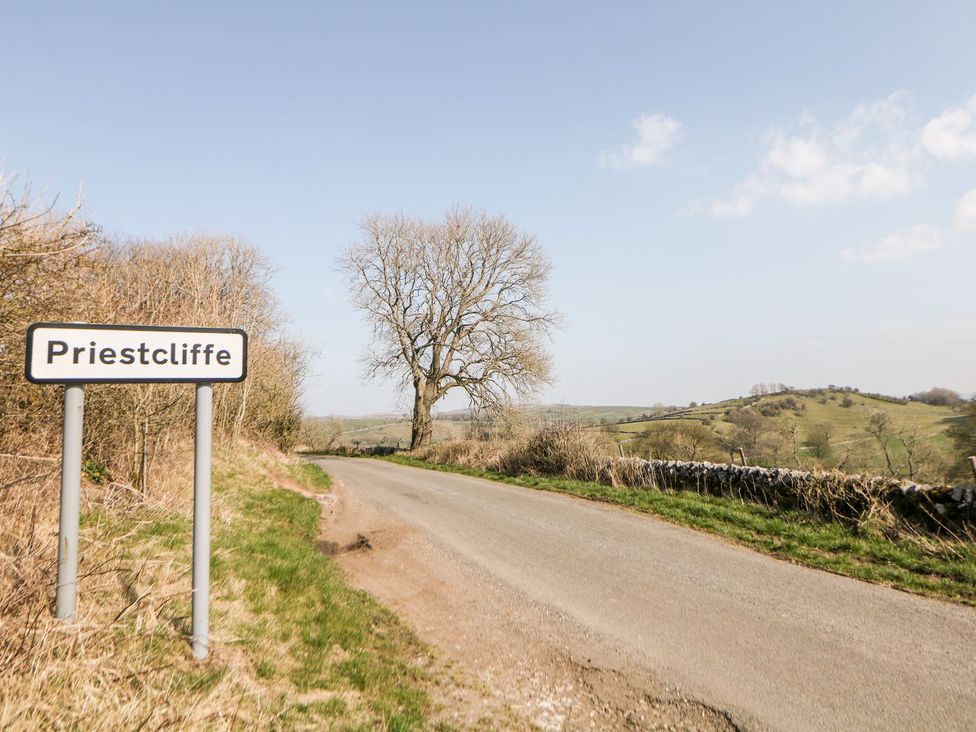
(284, 624)
(307, 626)
(311, 476)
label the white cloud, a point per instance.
(796, 157)
(870, 154)
(897, 247)
(656, 135)
(952, 135)
(966, 212)
(741, 202)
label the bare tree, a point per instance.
(322, 433)
(792, 433)
(879, 427)
(57, 266)
(453, 304)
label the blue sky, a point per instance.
(730, 193)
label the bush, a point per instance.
(939, 397)
(95, 473)
(569, 451)
(198, 281)
(677, 441)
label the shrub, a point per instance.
(940, 397)
(677, 441)
(198, 280)
(569, 451)
(96, 473)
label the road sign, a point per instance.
(75, 353)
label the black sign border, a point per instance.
(104, 326)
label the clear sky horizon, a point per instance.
(730, 194)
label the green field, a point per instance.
(384, 430)
(847, 425)
(848, 422)
(394, 431)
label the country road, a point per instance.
(773, 645)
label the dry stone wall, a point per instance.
(838, 494)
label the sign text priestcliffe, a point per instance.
(64, 353)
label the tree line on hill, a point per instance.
(61, 267)
(936, 396)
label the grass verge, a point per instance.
(338, 652)
(292, 646)
(942, 569)
(310, 476)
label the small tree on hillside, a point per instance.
(880, 428)
(677, 441)
(818, 438)
(455, 304)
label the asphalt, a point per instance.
(775, 645)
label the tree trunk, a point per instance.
(423, 425)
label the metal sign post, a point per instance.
(74, 414)
(201, 521)
(75, 354)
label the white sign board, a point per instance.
(75, 353)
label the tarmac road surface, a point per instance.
(774, 645)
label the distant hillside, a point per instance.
(819, 406)
(584, 414)
(840, 414)
(395, 430)
(825, 427)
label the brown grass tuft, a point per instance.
(125, 662)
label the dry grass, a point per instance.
(125, 662)
(564, 451)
